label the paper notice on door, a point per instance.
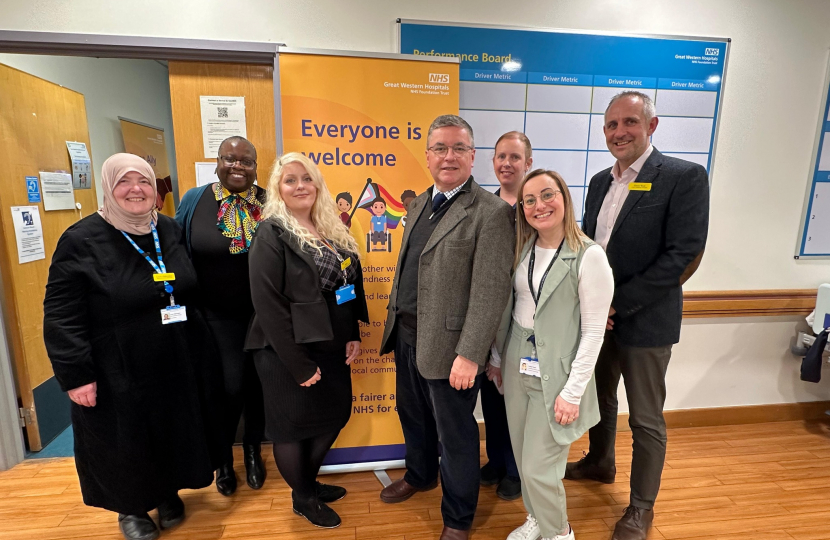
(57, 191)
(28, 230)
(81, 165)
(77, 151)
(222, 117)
(206, 173)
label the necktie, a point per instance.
(438, 201)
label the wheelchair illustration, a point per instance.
(378, 237)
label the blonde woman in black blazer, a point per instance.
(307, 290)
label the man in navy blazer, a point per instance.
(651, 214)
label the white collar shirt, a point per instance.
(615, 198)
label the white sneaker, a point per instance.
(569, 536)
(528, 531)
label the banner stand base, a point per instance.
(383, 478)
(375, 466)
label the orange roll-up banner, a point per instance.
(364, 121)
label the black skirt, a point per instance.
(294, 412)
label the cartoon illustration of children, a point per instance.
(379, 224)
(344, 204)
(406, 197)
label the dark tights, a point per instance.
(300, 461)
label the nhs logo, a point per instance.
(443, 78)
(712, 52)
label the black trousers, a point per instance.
(643, 370)
(499, 449)
(243, 391)
(431, 411)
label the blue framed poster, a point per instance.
(554, 86)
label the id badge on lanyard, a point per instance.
(529, 365)
(345, 293)
(172, 313)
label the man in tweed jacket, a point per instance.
(451, 285)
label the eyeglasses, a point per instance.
(231, 161)
(546, 196)
(441, 150)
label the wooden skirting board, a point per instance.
(731, 416)
(749, 303)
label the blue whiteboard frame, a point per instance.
(658, 59)
(816, 177)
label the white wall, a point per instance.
(112, 87)
(771, 106)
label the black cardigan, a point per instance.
(289, 306)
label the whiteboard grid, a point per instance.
(563, 127)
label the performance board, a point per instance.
(554, 86)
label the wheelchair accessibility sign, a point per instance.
(32, 189)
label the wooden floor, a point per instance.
(752, 482)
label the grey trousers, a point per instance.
(643, 370)
(540, 459)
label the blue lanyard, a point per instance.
(159, 268)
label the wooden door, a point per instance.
(37, 117)
(190, 80)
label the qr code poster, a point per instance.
(222, 117)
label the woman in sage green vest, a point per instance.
(550, 336)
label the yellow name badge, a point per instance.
(639, 186)
(169, 276)
(346, 263)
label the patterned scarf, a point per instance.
(238, 216)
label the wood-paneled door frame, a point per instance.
(103, 46)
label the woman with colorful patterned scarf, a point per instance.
(219, 221)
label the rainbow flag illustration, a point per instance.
(394, 208)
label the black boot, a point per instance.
(316, 512)
(171, 512)
(138, 527)
(510, 488)
(327, 493)
(254, 468)
(226, 480)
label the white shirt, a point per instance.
(448, 194)
(596, 290)
(616, 196)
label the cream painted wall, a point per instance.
(771, 106)
(112, 87)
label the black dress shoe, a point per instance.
(254, 468)
(491, 475)
(327, 493)
(510, 488)
(138, 527)
(316, 512)
(171, 512)
(586, 469)
(634, 525)
(226, 480)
